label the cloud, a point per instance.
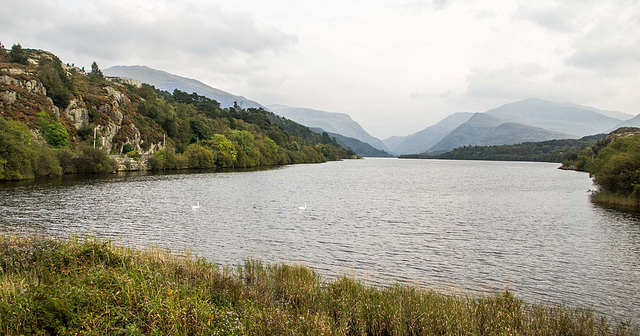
(124, 30)
(552, 17)
(611, 49)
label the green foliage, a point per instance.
(96, 73)
(616, 168)
(16, 151)
(544, 151)
(59, 86)
(21, 157)
(67, 287)
(199, 157)
(18, 55)
(127, 148)
(54, 132)
(91, 160)
(224, 150)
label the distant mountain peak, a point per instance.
(333, 122)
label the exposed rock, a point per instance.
(125, 80)
(32, 85)
(7, 97)
(77, 113)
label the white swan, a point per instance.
(303, 207)
(196, 206)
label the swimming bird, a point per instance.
(196, 206)
(303, 207)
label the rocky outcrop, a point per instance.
(77, 113)
(103, 105)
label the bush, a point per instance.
(18, 55)
(127, 148)
(93, 160)
(53, 130)
(616, 169)
(56, 81)
(199, 157)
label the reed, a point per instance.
(615, 200)
(92, 287)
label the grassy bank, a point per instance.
(614, 200)
(86, 286)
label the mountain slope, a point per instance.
(567, 118)
(168, 82)
(421, 141)
(339, 123)
(484, 130)
(633, 122)
(359, 147)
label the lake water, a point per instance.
(481, 226)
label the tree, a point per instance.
(2, 51)
(96, 73)
(18, 55)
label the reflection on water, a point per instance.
(481, 225)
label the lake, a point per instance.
(472, 225)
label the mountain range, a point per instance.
(528, 120)
(332, 122)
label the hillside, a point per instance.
(484, 130)
(568, 118)
(333, 122)
(633, 122)
(57, 119)
(545, 151)
(168, 82)
(362, 149)
(422, 141)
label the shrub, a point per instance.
(18, 55)
(93, 160)
(54, 132)
(199, 157)
(56, 81)
(127, 148)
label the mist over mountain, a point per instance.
(568, 118)
(633, 122)
(168, 82)
(485, 130)
(422, 141)
(332, 122)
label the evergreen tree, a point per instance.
(96, 73)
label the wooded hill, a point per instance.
(52, 114)
(545, 151)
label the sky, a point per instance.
(395, 67)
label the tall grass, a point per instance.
(92, 287)
(615, 200)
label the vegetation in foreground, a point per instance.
(91, 287)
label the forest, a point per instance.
(545, 151)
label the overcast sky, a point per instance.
(395, 66)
